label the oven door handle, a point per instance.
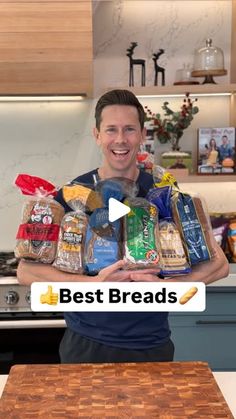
(31, 324)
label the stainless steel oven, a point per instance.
(25, 336)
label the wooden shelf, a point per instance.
(173, 90)
(206, 178)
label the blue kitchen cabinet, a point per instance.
(210, 335)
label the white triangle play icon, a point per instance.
(116, 210)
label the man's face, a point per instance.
(120, 136)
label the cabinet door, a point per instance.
(45, 47)
(209, 339)
(209, 336)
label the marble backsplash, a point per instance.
(54, 139)
(178, 27)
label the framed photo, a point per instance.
(176, 160)
(216, 151)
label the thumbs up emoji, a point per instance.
(50, 297)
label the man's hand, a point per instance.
(145, 275)
(115, 273)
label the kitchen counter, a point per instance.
(227, 383)
(225, 380)
(3, 380)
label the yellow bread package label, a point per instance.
(82, 194)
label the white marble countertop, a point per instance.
(227, 384)
(225, 380)
(3, 380)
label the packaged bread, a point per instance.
(220, 224)
(116, 187)
(103, 238)
(141, 237)
(71, 243)
(81, 196)
(38, 232)
(232, 240)
(193, 222)
(103, 245)
(174, 259)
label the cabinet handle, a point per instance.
(203, 322)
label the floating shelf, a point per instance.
(206, 178)
(202, 89)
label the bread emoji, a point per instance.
(188, 295)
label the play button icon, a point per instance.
(116, 210)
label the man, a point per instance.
(225, 150)
(119, 337)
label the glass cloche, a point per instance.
(208, 62)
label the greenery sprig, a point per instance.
(171, 127)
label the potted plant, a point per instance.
(170, 128)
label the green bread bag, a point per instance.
(141, 238)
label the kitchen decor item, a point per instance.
(177, 160)
(133, 62)
(170, 128)
(183, 76)
(209, 62)
(216, 150)
(157, 68)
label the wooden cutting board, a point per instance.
(164, 390)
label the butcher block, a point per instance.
(163, 390)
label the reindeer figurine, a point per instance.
(157, 68)
(135, 61)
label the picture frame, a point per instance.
(216, 151)
(177, 160)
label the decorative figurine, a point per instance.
(135, 61)
(157, 68)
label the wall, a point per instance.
(54, 140)
(179, 27)
(51, 140)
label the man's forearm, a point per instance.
(29, 272)
(208, 272)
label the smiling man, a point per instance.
(119, 133)
(117, 336)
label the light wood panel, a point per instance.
(38, 47)
(42, 1)
(232, 116)
(46, 47)
(233, 44)
(50, 17)
(51, 78)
